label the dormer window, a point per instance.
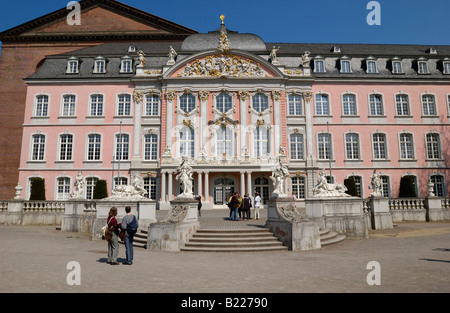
(126, 65)
(422, 66)
(397, 66)
(100, 65)
(336, 49)
(132, 48)
(72, 65)
(345, 65)
(446, 66)
(432, 50)
(371, 66)
(319, 65)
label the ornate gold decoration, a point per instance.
(308, 96)
(243, 94)
(153, 72)
(171, 95)
(187, 123)
(293, 72)
(138, 96)
(276, 95)
(223, 65)
(203, 95)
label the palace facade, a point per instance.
(234, 106)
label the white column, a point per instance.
(277, 126)
(307, 102)
(249, 183)
(207, 187)
(244, 125)
(170, 96)
(170, 187)
(199, 185)
(163, 187)
(137, 128)
(242, 185)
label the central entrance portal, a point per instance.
(223, 188)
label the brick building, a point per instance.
(25, 47)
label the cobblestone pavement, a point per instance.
(413, 257)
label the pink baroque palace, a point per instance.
(233, 106)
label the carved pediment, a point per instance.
(223, 65)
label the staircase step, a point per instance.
(332, 240)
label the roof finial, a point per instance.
(222, 17)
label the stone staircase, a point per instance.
(233, 240)
(140, 239)
(328, 237)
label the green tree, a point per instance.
(100, 189)
(37, 191)
(407, 187)
(351, 186)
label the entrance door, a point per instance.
(223, 188)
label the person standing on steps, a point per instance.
(113, 242)
(257, 206)
(246, 204)
(130, 225)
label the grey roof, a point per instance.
(203, 42)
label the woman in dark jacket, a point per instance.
(113, 243)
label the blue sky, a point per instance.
(318, 21)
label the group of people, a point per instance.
(125, 231)
(240, 206)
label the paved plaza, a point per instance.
(413, 257)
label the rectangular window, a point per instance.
(319, 66)
(296, 146)
(371, 67)
(63, 192)
(349, 104)
(65, 147)
(352, 146)
(151, 147)
(428, 105)
(423, 67)
(446, 67)
(90, 184)
(324, 146)
(124, 105)
(126, 66)
(69, 102)
(402, 105)
(298, 187)
(224, 143)
(150, 187)
(379, 146)
(439, 188)
(99, 66)
(406, 146)
(187, 142)
(72, 67)
(122, 146)
(295, 105)
(94, 147)
(261, 141)
(96, 105)
(433, 146)
(42, 105)
(151, 105)
(385, 186)
(345, 66)
(322, 105)
(376, 105)
(397, 67)
(38, 148)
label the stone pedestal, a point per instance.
(343, 215)
(14, 213)
(294, 231)
(144, 210)
(381, 217)
(176, 228)
(434, 210)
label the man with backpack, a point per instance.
(129, 225)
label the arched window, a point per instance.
(63, 188)
(439, 185)
(296, 141)
(124, 105)
(42, 105)
(298, 187)
(122, 146)
(38, 147)
(65, 147)
(151, 105)
(261, 141)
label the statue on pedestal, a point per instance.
(186, 179)
(324, 189)
(278, 178)
(78, 192)
(376, 184)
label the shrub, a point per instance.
(351, 186)
(100, 189)
(407, 187)
(37, 191)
